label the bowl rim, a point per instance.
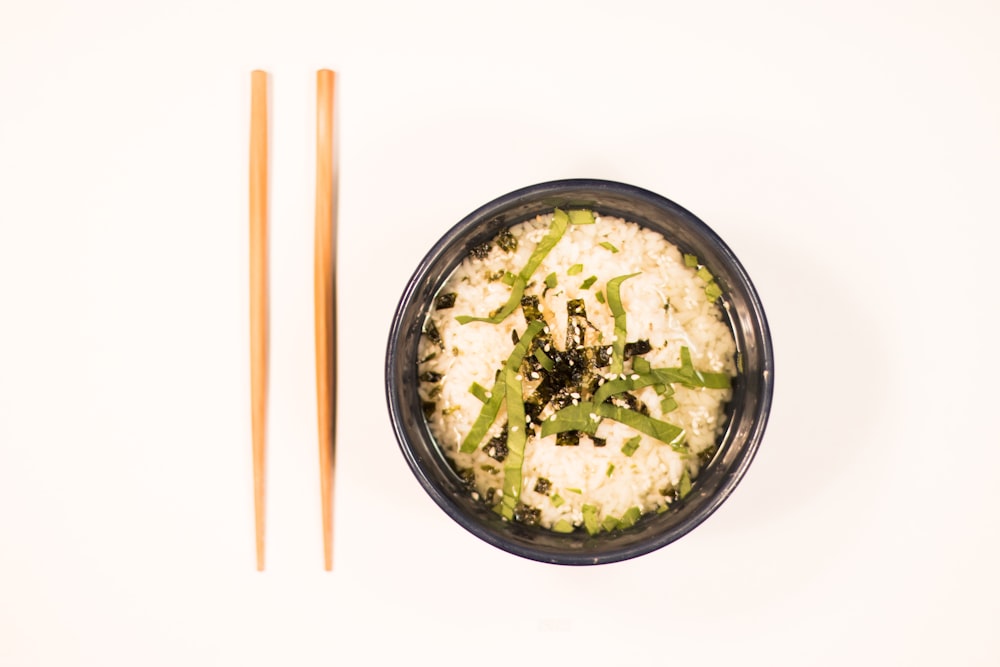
(744, 457)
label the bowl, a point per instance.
(747, 411)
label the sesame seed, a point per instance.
(634, 376)
(518, 377)
(513, 428)
(534, 375)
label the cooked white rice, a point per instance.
(665, 304)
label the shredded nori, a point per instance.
(432, 333)
(507, 241)
(529, 516)
(598, 442)
(496, 448)
(568, 439)
(445, 301)
(542, 486)
(430, 376)
(482, 250)
(637, 348)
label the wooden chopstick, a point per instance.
(325, 306)
(258, 295)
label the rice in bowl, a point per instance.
(576, 371)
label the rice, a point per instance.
(603, 478)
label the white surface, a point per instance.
(847, 151)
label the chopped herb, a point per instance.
(609, 246)
(705, 274)
(618, 312)
(640, 365)
(588, 282)
(684, 487)
(489, 411)
(551, 280)
(574, 270)
(690, 260)
(611, 469)
(508, 278)
(544, 359)
(713, 291)
(562, 526)
(542, 486)
(600, 297)
(581, 217)
(430, 376)
(630, 517)
(506, 241)
(574, 490)
(632, 444)
(445, 301)
(516, 439)
(556, 230)
(668, 405)
(556, 499)
(609, 523)
(590, 520)
(585, 417)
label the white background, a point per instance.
(849, 153)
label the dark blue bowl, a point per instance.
(748, 411)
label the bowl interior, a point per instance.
(748, 409)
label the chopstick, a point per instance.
(325, 306)
(258, 295)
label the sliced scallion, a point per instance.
(608, 245)
(611, 469)
(574, 270)
(551, 280)
(588, 282)
(562, 526)
(492, 406)
(600, 297)
(684, 487)
(640, 365)
(654, 428)
(609, 523)
(618, 312)
(705, 274)
(632, 444)
(479, 391)
(713, 291)
(590, 521)
(581, 217)
(668, 405)
(630, 517)
(556, 499)
(690, 260)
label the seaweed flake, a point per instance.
(432, 333)
(482, 250)
(637, 348)
(543, 486)
(507, 241)
(430, 376)
(445, 301)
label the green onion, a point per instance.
(571, 418)
(551, 280)
(588, 282)
(609, 246)
(590, 520)
(575, 269)
(492, 407)
(508, 278)
(498, 316)
(690, 260)
(654, 428)
(557, 500)
(609, 523)
(574, 490)
(544, 359)
(516, 439)
(562, 526)
(713, 291)
(632, 444)
(618, 312)
(600, 297)
(684, 487)
(705, 274)
(479, 391)
(611, 469)
(668, 405)
(560, 221)
(581, 217)
(640, 365)
(630, 517)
